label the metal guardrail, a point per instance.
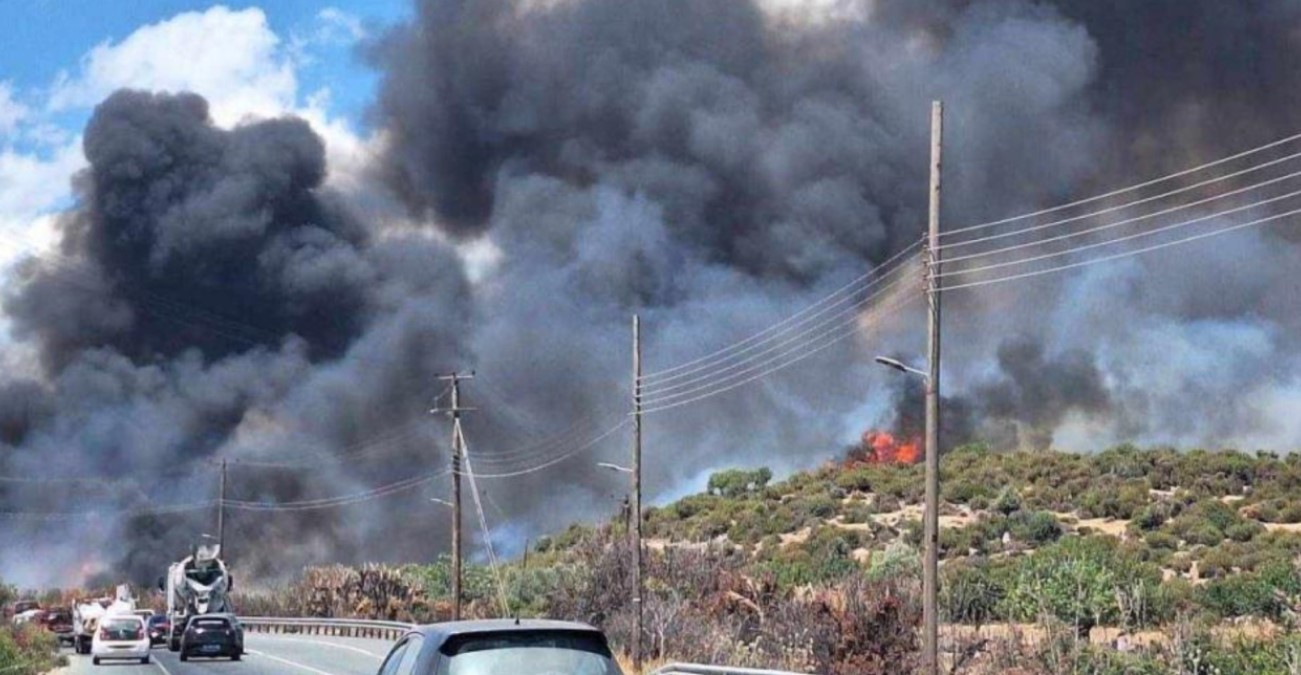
(366, 628)
(701, 669)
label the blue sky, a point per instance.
(42, 38)
(59, 58)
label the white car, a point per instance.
(120, 636)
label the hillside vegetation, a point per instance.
(1127, 561)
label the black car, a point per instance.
(213, 635)
(159, 627)
(501, 647)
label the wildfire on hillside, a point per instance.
(883, 447)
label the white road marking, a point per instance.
(287, 662)
(359, 650)
(159, 663)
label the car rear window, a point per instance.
(122, 629)
(157, 620)
(210, 623)
(533, 652)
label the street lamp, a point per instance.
(614, 467)
(901, 367)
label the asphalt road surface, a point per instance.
(264, 655)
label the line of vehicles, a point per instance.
(198, 619)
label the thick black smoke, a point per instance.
(214, 300)
(712, 165)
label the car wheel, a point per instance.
(95, 660)
(184, 656)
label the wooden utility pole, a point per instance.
(221, 514)
(930, 566)
(458, 452)
(635, 532)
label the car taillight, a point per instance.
(103, 634)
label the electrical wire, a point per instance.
(101, 514)
(1131, 188)
(889, 308)
(1123, 254)
(1058, 223)
(698, 364)
(342, 500)
(556, 460)
(1108, 242)
(653, 392)
(845, 317)
(1119, 223)
(487, 533)
(506, 461)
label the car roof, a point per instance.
(438, 633)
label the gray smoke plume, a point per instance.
(712, 165)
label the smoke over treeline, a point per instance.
(710, 164)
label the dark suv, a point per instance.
(213, 635)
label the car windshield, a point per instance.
(122, 629)
(528, 653)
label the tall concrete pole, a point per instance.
(458, 450)
(636, 491)
(930, 566)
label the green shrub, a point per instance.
(1244, 531)
(1008, 502)
(1038, 528)
(739, 482)
(1162, 540)
(970, 593)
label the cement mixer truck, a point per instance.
(198, 584)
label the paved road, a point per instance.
(265, 655)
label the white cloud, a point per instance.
(31, 185)
(11, 112)
(335, 26)
(232, 58)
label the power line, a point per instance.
(698, 364)
(1108, 242)
(656, 398)
(1065, 221)
(1124, 254)
(654, 392)
(1131, 188)
(1128, 221)
(556, 460)
(487, 533)
(99, 514)
(342, 500)
(889, 308)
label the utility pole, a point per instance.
(636, 490)
(458, 450)
(930, 566)
(221, 514)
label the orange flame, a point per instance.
(883, 447)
